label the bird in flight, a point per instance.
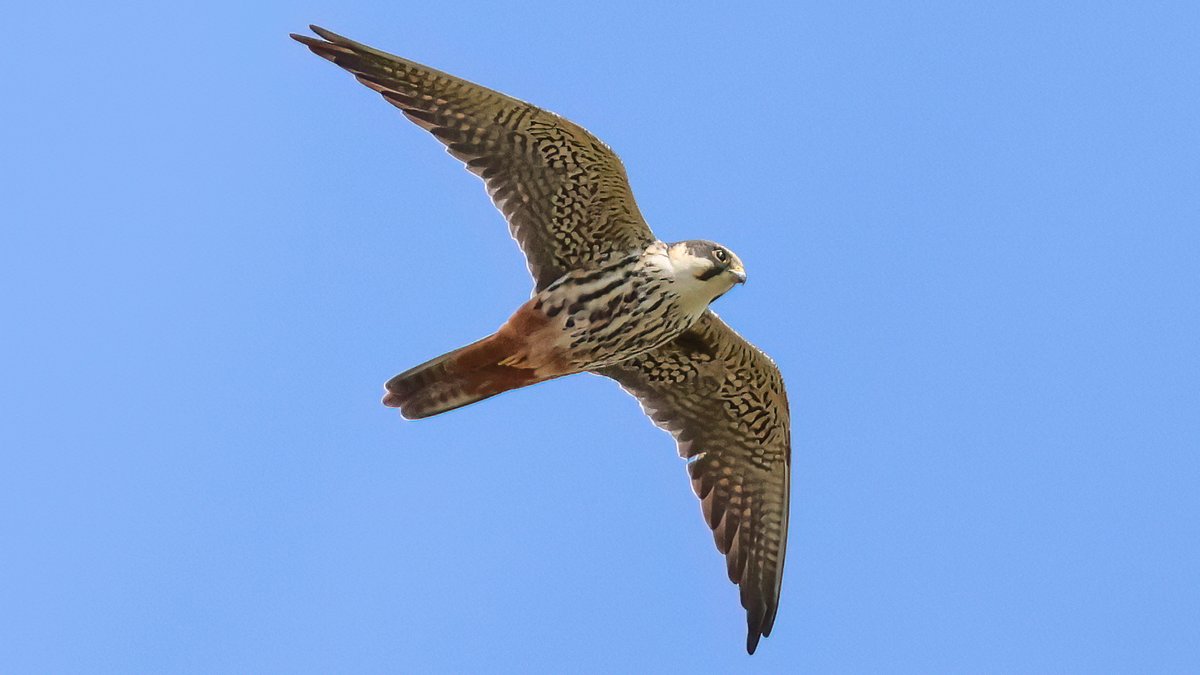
(609, 298)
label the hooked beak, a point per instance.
(740, 275)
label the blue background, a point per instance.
(973, 238)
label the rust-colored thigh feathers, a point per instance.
(496, 364)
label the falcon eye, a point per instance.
(720, 255)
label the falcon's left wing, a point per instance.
(564, 193)
(724, 402)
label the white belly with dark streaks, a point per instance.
(621, 309)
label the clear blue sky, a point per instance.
(973, 239)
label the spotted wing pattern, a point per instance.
(565, 194)
(724, 402)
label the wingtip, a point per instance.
(326, 33)
(752, 639)
(755, 631)
(322, 48)
(308, 40)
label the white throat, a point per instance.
(694, 294)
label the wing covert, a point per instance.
(564, 193)
(724, 402)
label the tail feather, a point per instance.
(456, 379)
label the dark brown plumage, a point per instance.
(724, 402)
(563, 192)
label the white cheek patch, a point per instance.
(678, 256)
(685, 263)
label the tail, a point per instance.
(462, 377)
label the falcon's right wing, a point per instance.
(724, 402)
(564, 193)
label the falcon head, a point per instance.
(707, 267)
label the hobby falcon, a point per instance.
(609, 298)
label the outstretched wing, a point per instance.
(724, 402)
(564, 193)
